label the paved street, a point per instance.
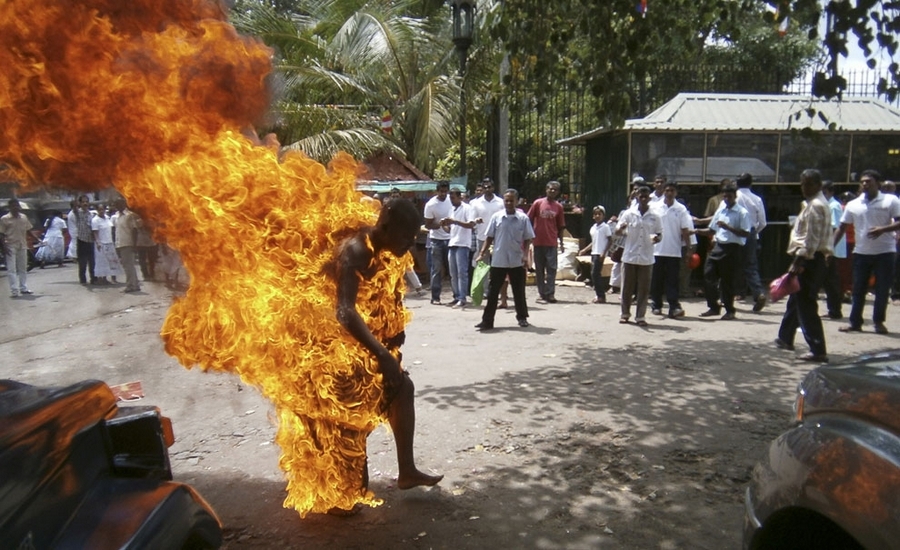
(577, 432)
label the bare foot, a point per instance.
(417, 479)
(340, 512)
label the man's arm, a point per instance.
(839, 234)
(876, 232)
(484, 248)
(353, 257)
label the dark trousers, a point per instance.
(864, 266)
(597, 279)
(85, 260)
(666, 272)
(802, 308)
(720, 272)
(834, 290)
(516, 282)
(750, 268)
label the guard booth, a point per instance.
(699, 139)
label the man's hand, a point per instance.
(390, 371)
(876, 232)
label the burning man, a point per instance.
(359, 259)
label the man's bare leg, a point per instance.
(402, 416)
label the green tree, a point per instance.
(340, 64)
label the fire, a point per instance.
(153, 96)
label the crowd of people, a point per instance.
(106, 242)
(836, 242)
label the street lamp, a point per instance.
(463, 29)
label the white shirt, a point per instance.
(600, 235)
(639, 235)
(674, 218)
(459, 235)
(103, 227)
(437, 210)
(865, 215)
(754, 206)
(484, 209)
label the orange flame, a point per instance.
(151, 96)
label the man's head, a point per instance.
(14, 206)
(643, 197)
(487, 187)
(510, 199)
(828, 188)
(442, 189)
(670, 190)
(395, 193)
(553, 189)
(455, 197)
(397, 226)
(870, 181)
(84, 202)
(659, 183)
(810, 183)
(729, 194)
(888, 186)
(120, 204)
(599, 213)
(744, 181)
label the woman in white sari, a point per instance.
(106, 260)
(53, 246)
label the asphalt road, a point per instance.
(576, 432)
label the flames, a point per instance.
(155, 97)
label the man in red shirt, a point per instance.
(548, 220)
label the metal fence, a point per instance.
(536, 125)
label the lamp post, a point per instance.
(463, 29)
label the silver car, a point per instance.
(833, 480)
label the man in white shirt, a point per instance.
(757, 210)
(459, 224)
(642, 229)
(484, 207)
(676, 237)
(875, 216)
(436, 209)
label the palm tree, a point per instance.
(341, 63)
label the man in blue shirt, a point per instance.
(730, 226)
(511, 233)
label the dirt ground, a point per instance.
(575, 433)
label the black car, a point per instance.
(78, 471)
(833, 480)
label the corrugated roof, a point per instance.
(759, 113)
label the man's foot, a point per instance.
(503, 305)
(523, 323)
(435, 302)
(541, 301)
(340, 512)
(551, 299)
(813, 358)
(458, 305)
(760, 303)
(13, 294)
(656, 311)
(482, 326)
(623, 321)
(453, 303)
(25, 291)
(880, 329)
(781, 344)
(676, 313)
(850, 328)
(641, 323)
(837, 316)
(729, 316)
(599, 300)
(711, 313)
(417, 479)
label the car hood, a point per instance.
(868, 388)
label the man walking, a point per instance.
(676, 239)
(810, 246)
(437, 209)
(875, 216)
(730, 226)
(14, 228)
(833, 286)
(510, 232)
(484, 207)
(85, 232)
(548, 219)
(757, 211)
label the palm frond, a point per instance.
(359, 143)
